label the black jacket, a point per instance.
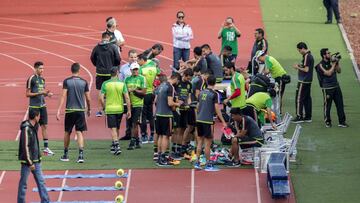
(29, 150)
(104, 56)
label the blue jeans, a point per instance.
(182, 54)
(38, 176)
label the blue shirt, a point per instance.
(124, 72)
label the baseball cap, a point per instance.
(134, 66)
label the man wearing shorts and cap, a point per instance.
(75, 91)
(136, 85)
(115, 92)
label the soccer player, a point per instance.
(29, 156)
(164, 106)
(149, 70)
(208, 105)
(237, 86)
(35, 90)
(136, 86)
(75, 91)
(114, 90)
(213, 63)
(303, 100)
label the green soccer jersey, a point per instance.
(229, 38)
(274, 67)
(132, 83)
(238, 82)
(260, 100)
(114, 90)
(149, 70)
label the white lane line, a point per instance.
(62, 185)
(2, 176)
(84, 28)
(54, 35)
(192, 196)
(60, 56)
(257, 186)
(30, 66)
(127, 186)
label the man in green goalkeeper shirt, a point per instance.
(149, 70)
(115, 92)
(136, 86)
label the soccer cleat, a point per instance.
(210, 167)
(297, 120)
(328, 124)
(64, 157)
(343, 125)
(151, 139)
(197, 166)
(132, 144)
(164, 163)
(144, 139)
(48, 152)
(99, 114)
(80, 159)
(117, 150)
(112, 149)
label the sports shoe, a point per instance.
(328, 124)
(197, 166)
(233, 164)
(64, 157)
(328, 22)
(156, 156)
(112, 149)
(297, 119)
(48, 152)
(151, 139)
(132, 144)
(80, 159)
(210, 167)
(176, 156)
(343, 125)
(163, 163)
(117, 150)
(144, 139)
(339, 21)
(99, 114)
(202, 160)
(307, 120)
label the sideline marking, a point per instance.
(257, 186)
(127, 186)
(27, 110)
(192, 196)
(2, 176)
(62, 185)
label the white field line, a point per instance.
(69, 34)
(127, 186)
(30, 66)
(62, 185)
(192, 195)
(2, 176)
(258, 195)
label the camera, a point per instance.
(335, 57)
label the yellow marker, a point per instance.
(118, 184)
(119, 199)
(120, 172)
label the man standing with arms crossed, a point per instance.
(29, 156)
(75, 91)
(115, 92)
(35, 90)
(149, 70)
(303, 100)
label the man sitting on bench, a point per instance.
(248, 134)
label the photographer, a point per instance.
(327, 70)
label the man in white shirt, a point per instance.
(182, 34)
(115, 35)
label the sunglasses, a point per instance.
(181, 17)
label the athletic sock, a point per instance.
(46, 143)
(81, 151)
(66, 150)
(155, 148)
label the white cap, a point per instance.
(134, 66)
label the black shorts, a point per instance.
(163, 125)
(136, 113)
(114, 120)
(191, 117)
(205, 130)
(43, 115)
(100, 80)
(176, 119)
(183, 120)
(248, 142)
(76, 119)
